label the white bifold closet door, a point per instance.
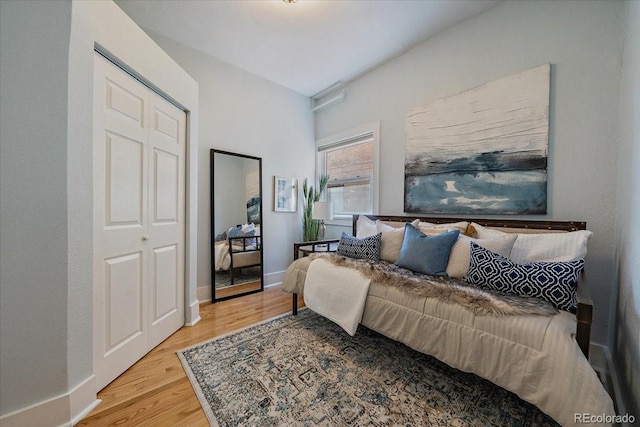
(139, 220)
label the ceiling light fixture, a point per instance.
(290, 1)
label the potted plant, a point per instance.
(310, 226)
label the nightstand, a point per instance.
(305, 248)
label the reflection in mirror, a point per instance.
(236, 225)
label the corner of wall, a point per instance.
(603, 363)
(64, 410)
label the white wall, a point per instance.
(626, 329)
(231, 205)
(46, 276)
(33, 201)
(582, 41)
(246, 114)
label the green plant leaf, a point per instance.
(311, 227)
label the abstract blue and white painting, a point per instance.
(481, 151)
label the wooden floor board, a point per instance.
(156, 391)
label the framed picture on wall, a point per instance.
(285, 194)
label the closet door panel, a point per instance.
(120, 221)
(124, 322)
(166, 200)
(124, 181)
(166, 217)
(165, 280)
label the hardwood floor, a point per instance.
(237, 289)
(155, 391)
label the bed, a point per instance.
(541, 358)
(239, 247)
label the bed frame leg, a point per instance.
(295, 304)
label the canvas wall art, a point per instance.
(252, 184)
(481, 151)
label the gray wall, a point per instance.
(46, 196)
(582, 40)
(230, 207)
(34, 39)
(626, 332)
(243, 113)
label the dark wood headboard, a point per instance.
(503, 223)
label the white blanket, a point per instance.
(221, 256)
(337, 293)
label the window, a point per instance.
(350, 160)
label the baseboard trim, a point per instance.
(598, 357)
(619, 401)
(194, 322)
(270, 279)
(273, 279)
(64, 410)
(601, 358)
(85, 412)
(194, 312)
(204, 293)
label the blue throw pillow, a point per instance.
(367, 248)
(235, 231)
(426, 254)
(555, 282)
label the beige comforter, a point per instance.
(535, 357)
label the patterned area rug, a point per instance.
(223, 278)
(305, 370)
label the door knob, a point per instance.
(145, 238)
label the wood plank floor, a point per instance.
(155, 391)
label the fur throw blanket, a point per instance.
(480, 301)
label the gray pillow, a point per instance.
(367, 248)
(426, 254)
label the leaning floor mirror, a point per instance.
(236, 225)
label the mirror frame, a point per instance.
(212, 153)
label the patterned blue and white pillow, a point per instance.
(367, 248)
(555, 282)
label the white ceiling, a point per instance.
(305, 46)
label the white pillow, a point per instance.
(429, 228)
(365, 227)
(460, 256)
(246, 228)
(392, 238)
(489, 233)
(550, 247)
(542, 247)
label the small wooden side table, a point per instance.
(307, 248)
